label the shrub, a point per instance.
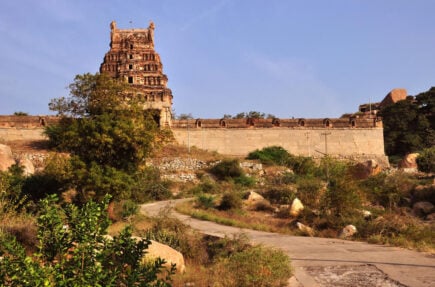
(341, 198)
(310, 191)
(129, 208)
(280, 195)
(256, 266)
(231, 200)
(426, 160)
(245, 181)
(270, 155)
(228, 168)
(72, 248)
(302, 165)
(205, 201)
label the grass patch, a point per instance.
(260, 221)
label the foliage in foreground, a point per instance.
(73, 251)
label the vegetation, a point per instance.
(333, 197)
(19, 113)
(426, 160)
(72, 250)
(409, 125)
(251, 115)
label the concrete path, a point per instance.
(330, 262)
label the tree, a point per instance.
(407, 127)
(73, 251)
(102, 123)
(426, 160)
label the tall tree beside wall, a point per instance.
(409, 125)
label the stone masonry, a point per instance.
(133, 59)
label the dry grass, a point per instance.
(174, 150)
(256, 220)
(23, 227)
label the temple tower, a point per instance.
(133, 59)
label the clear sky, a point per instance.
(290, 58)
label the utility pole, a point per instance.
(307, 134)
(188, 136)
(326, 155)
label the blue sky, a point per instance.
(288, 58)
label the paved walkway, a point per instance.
(331, 262)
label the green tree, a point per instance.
(73, 251)
(406, 128)
(102, 123)
(426, 160)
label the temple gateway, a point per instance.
(133, 59)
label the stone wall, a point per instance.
(339, 142)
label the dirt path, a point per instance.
(331, 262)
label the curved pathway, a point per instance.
(327, 261)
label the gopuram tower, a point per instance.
(133, 59)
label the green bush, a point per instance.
(228, 168)
(129, 208)
(231, 200)
(280, 195)
(426, 160)
(205, 201)
(270, 155)
(72, 250)
(257, 266)
(246, 181)
(310, 190)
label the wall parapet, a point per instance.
(27, 122)
(351, 122)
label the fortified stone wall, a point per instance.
(354, 144)
(13, 128)
(357, 139)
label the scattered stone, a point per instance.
(367, 168)
(348, 231)
(409, 162)
(305, 229)
(27, 165)
(296, 207)
(171, 256)
(252, 196)
(367, 214)
(6, 158)
(422, 208)
(431, 217)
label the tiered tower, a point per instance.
(133, 59)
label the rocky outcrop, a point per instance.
(305, 229)
(409, 162)
(27, 165)
(367, 168)
(252, 197)
(171, 256)
(423, 208)
(296, 207)
(6, 158)
(348, 231)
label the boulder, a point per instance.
(296, 207)
(367, 214)
(171, 256)
(422, 208)
(27, 165)
(252, 196)
(409, 162)
(368, 168)
(348, 231)
(6, 158)
(305, 229)
(431, 217)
